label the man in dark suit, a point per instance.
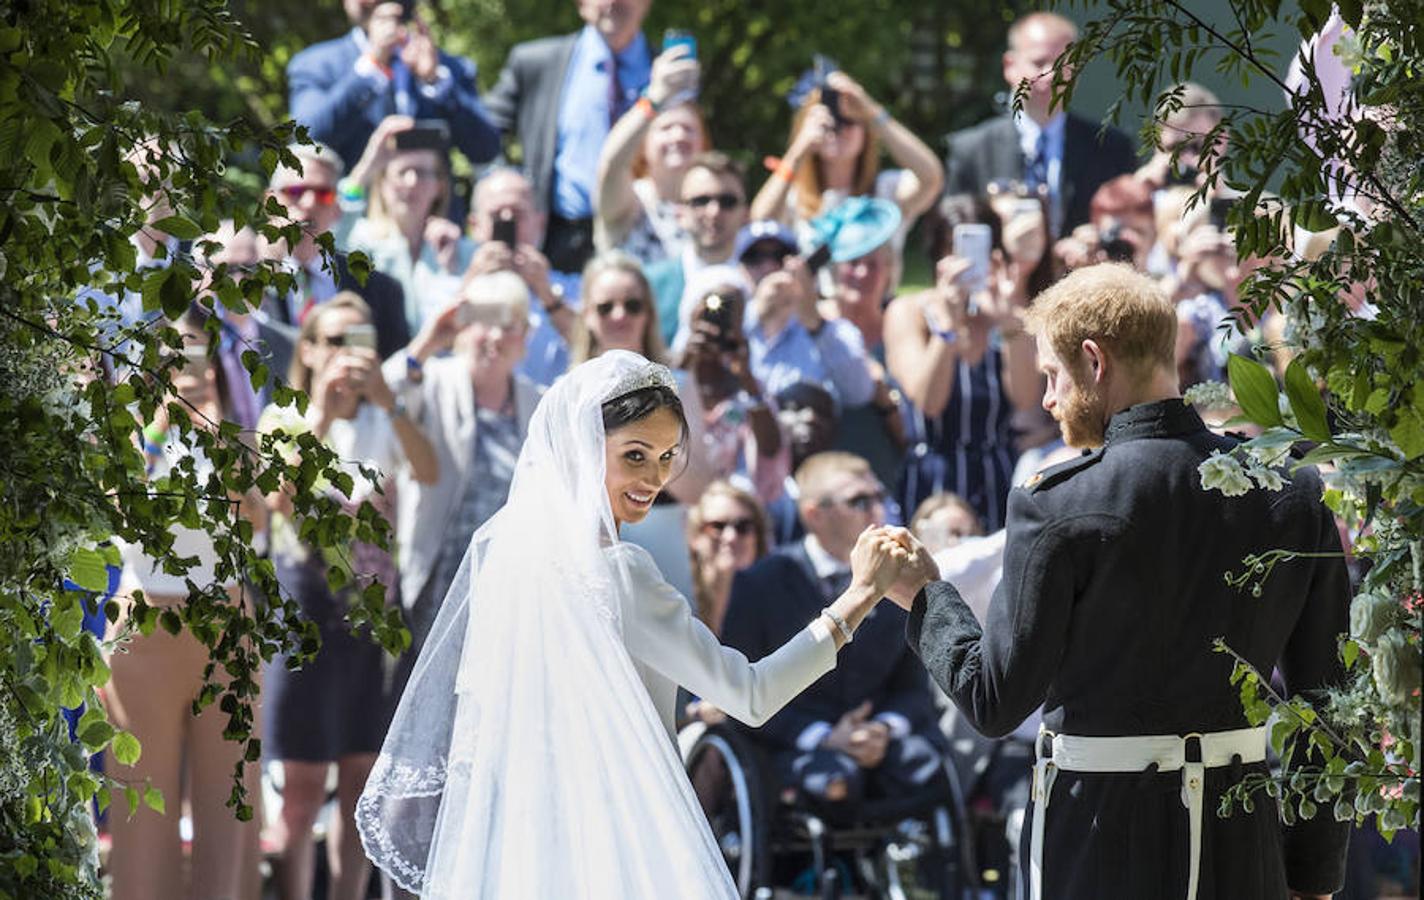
(1057, 152)
(1111, 598)
(559, 96)
(866, 729)
(309, 194)
(386, 65)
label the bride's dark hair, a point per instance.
(636, 405)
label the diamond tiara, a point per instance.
(644, 376)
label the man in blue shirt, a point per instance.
(560, 95)
(386, 65)
(789, 340)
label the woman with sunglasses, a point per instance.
(647, 152)
(726, 533)
(835, 154)
(334, 709)
(395, 200)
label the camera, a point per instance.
(717, 310)
(1114, 246)
(830, 97)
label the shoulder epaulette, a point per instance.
(1061, 472)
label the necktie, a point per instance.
(1036, 170)
(835, 584)
(616, 105)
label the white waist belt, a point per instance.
(1135, 754)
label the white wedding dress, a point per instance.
(532, 754)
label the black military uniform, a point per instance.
(1113, 591)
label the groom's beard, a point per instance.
(1081, 416)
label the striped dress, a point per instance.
(968, 450)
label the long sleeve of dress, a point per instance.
(661, 632)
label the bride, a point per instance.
(533, 753)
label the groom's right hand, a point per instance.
(917, 570)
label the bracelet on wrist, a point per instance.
(647, 107)
(351, 190)
(881, 118)
(948, 335)
(784, 172)
(841, 624)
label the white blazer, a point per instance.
(442, 404)
(671, 648)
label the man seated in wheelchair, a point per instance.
(867, 730)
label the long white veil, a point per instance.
(525, 758)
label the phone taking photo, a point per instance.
(830, 97)
(680, 37)
(974, 241)
(506, 229)
(425, 134)
(361, 336)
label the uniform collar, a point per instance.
(1161, 418)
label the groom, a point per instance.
(1112, 594)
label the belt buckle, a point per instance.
(1187, 747)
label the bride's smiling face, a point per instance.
(640, 460)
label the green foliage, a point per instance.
(1354, 389)
(81, 166)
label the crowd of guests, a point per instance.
(823, 393)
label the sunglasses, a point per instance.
(633, 306)
(293, 193)
(859, 502)
(760, 255)
(728, 200)
(742, 527)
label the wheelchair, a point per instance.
(893, 849)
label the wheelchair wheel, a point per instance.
(726, 775)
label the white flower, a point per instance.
(1266, 477)
(1210, 395)
(1370, 615)
(1397, 669)
(1223, 473)
(1270, 456)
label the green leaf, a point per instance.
(88, 569)
(1280, 732)
(174, 295)
(1306, 402)
(153, 799)
(182, 228)
(126, 748)
(1255, 390)
(1349, 653)
(131, 799)
(96, 735)
(67, 617)
(1408, 432)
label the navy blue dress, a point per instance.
(968, 449)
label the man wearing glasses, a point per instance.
(867, 729)
(712, 210)
(308, 193)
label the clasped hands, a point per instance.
(889, 561)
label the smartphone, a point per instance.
(717, 310)
(680, 37)
(973, 241)
(425, 134)
(1026, 206)
(506, 229)
(361, 336)
(830, 97)
(818, 258)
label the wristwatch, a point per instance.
(398, 408)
